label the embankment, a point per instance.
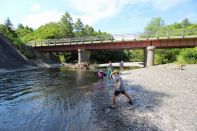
(10, 58)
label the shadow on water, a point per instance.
(125, 116)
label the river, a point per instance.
(46, 99)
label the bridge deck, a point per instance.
(91, 40)
(177, 42)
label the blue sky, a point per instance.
(113, 16)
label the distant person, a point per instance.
(109, 70)
(119, 89)
(100, 74)
(121, 66)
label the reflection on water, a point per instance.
(45, 99)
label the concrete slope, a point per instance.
(10, 58)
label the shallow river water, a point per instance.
(46, 99)
(57, 99)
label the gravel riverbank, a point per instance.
(165, 98)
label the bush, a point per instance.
(106, 56)
(158, 59)
(62, 58)
(164, 56)
(135, 55)
(188, 56)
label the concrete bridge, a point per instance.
(85, 45)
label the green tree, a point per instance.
(78, 28)
(88, 30)
(185, 22)
(8, 30)
(175, 25)
(66, 23)
(48, 31)
(25, 33)
(9, 24)
(154, 25)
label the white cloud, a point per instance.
(37, 19)
(96, 10)
(93, 11)
(166, 4)
(35, 7)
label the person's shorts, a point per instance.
(116, 93)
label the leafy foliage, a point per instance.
(79, 28)
(25, 33)
(135, 55)
(48, 31)
(66, 24)
(62, 58)
(164, 56)
(154, 25)
(106, 56)
(188, 56)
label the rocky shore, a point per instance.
(165, 98)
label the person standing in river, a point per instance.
(119, 89)
(100, 74)
(109, 70)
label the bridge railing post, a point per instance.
(35, 43)
(62, 40)
(157, 34)
(167, 34)
(122, 38)
(134, 37)
(76, 40)
(101, 39)
(92, 39)
(111, 38)
(70, 41)
(82, 40)
(47, 42)
(182, 33)
(147, 36)
(55, 41)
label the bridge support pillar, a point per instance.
(83, 56)
(150, 56)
